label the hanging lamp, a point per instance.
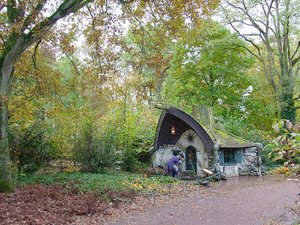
(173, 131)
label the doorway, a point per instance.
(191, 159)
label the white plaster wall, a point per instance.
(230, 171)
(162, 155)
(197, 143)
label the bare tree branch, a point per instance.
(61, 100)
(259, 55)
(252, 53)
(73, 63)
(126, 2)
(34, 54)
(295, 61)
(67, 7)
(251, 18)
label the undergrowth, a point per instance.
(87, 182)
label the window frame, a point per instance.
(235, 155)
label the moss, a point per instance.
(218, 132)
(229, 139)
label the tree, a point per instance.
(208, 67)
(22, 24)
(270, 27)
(155, 27)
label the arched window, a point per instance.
(191, 158)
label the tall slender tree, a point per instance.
(271, 28)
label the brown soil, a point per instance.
(40, 204)
(240, 200)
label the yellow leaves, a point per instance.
(21, 111)
(143, 184)
(282, 170)
(66, 42)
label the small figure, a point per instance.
(172, 166)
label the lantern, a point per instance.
(173, 131)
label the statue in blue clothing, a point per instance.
(173, 163)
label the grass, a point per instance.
(85, 182)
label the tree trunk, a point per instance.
(17, 42)
(287, 103)
(6, 182)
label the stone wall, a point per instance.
(250, 163)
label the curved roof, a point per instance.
(182, 122)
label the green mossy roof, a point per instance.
(218, 134)
(227, 139)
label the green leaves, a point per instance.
(277, 125)
(286, 147)
(208, 67)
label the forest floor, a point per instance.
(239, 200)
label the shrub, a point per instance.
(286, 147)
(94, 153)
(32, 148)
(282, 170)
(129, 160)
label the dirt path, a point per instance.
(238, 201)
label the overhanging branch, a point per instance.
(125, 2)
(258, 56)
(34, 54)
(34, 13)
(67, 7)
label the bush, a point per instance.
(268, 163)
(130, 161)
(32, 148)
(94, 153)
(285, 148)
(282, 170)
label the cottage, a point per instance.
(204, 148)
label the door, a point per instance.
(191, 159)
